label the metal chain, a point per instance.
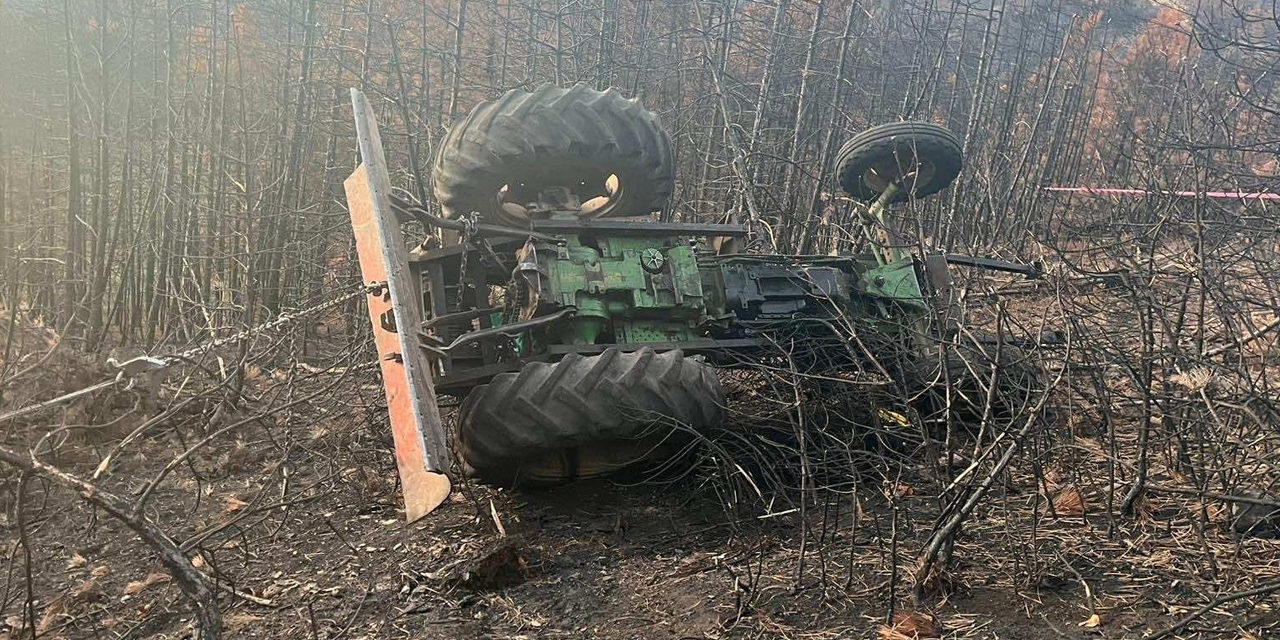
(468, 231)
(127, 371)
(279, 321)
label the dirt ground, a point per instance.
(297, 514)
(303, 525)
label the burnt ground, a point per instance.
(305, 524)
(591, 561)
(297, 515)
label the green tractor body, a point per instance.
(648, 284)
(661, 289)
(577, 328)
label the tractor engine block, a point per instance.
(627, 289)
(651, 289)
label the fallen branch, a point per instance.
(943, 535)
(1242, 341)
(190, 580)
(1268, 588)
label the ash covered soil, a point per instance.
(592, 560)
(297, 514)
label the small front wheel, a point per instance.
(922, 157)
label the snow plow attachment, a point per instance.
(395, 309)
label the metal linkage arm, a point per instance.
(1033, 270)
(422, 215)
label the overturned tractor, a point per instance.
(575, 326)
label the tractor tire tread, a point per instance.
(500, 139)
(549, 407)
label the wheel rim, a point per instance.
(598, 196)
(903, 165)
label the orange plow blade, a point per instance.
(395, 310)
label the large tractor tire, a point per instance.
(925, 157)
(609, 151)
(585, 417)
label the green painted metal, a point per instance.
(647, 289)
(896, 281)
(883, 250)
(636, 289)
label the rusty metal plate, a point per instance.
(421, 447)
